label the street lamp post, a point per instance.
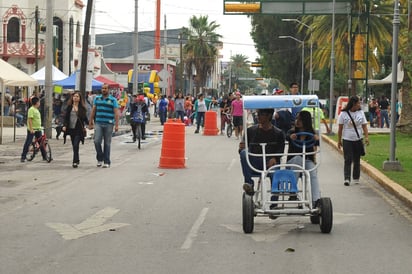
(303, 55)
(311, 50)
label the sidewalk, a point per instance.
(397, 190)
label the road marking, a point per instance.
(232, 163)
(92, 225)
(195, 228)
(146, 183)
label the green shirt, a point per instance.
(317, 116)
(34, 114)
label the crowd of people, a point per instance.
(379, 111)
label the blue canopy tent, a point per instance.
(70, 83)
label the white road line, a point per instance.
(232, 163)
(195, 228)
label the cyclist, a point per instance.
(138, 111)
(33, 128)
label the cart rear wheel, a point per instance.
(326, 215)
(248, 213)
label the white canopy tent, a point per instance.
(40, 75)
(388, 79)
(11, 76)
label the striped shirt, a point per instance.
(105, 109)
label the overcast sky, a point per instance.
(118, 16)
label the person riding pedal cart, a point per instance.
(263, 132)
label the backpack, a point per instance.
(138, 116)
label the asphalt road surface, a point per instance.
(138, 218)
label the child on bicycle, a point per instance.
(138, 111)
(33, 128)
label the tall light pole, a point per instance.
(392, 163)
(135, 89)
(303, 55)
(311, 50)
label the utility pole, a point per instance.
(181, 65)
(136, 50)
(48, 83)
(36, 39)
(85, 48)
(165, 59)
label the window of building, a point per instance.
(13, 30)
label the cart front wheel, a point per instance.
(248, 213)
(326, 215)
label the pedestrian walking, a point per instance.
(384, 107)
(75, 119)
(104, 116)
(180, 107)
(352, 127)
(200, 110)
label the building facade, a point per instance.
(23, 34)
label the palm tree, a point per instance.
(200, 49)
(380, 34)
(240, 68)
(240, 61)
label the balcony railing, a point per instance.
(26, 49)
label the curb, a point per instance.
(397, 190)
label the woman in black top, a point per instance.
(74, 120)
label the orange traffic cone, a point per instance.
(210, 123)
(173, 145)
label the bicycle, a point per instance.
(229, 124)
(35, 148)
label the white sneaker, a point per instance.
(346, 183)
(106, 166)
(99, 163)
(356, 181)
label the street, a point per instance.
(135, 217)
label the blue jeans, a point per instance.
(384, 117)
(103, 132)
(372, 115)
(162, 117)
(200, 119)
(180, 114)
(314, 182)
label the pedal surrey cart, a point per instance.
(283, 189)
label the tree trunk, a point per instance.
(405, 120)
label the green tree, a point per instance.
(200, 50)
(240, 67)
(281, 58)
